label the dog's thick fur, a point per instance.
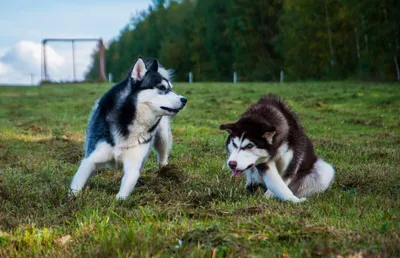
(268, 143)
(127, 121)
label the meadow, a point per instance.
(193, 207)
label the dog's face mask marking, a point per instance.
(244, 154)
(247, 148)
(156, 90)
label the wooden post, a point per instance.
(73, 61)
(46, 78)
(102, 71)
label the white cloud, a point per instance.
(24, 59)
(20, 49)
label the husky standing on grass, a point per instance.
(127, 121)
(270, 146)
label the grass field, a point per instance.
(193, 208)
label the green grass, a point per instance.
(193, 208)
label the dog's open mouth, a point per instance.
(238, 172)
(172, 110)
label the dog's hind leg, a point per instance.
(133, 161)
(163, 141)
(101, 154)
(318, 181)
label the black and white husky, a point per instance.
(269, 145)
(127, 121)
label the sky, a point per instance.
(24, 23)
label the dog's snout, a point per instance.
(232, 164)
(183, 100)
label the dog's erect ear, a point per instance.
(154, 66)
(139, 70)
(269, 136)
(227, 127)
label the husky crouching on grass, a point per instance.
(269, 145)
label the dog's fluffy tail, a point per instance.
(319, 180)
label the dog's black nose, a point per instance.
(232, 164)
(184, 100)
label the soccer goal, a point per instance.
(45, 68)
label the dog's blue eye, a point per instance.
(162, 87)
(248, 146)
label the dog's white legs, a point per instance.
(133, 161)
(276, 185)
(102, 154)
(163, 141)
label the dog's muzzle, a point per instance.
(176, 110)
(237, 172)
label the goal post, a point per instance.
(102, 72)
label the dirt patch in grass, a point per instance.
(376, 123)
(172, 173)
(7, 157)
(64, 149)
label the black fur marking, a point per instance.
(154, 66)
(154, 126)
(252, 188)
(146, 140)
(112, 110)
(117, 107)
(262, 168)
(228, 140)
(122, 114)
(126, 114)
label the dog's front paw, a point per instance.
(121, 197)
(268, 194)
(73, 193)
(299, 200)
(162, 164)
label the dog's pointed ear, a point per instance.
(154, 66)
(269, 136)
(139, 70)
(227, 127)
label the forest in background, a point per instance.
(308, 40)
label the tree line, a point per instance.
(308, 40)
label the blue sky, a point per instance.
(24, 23)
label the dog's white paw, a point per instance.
(121, 197)
(268, 194)
(73, 193)
(162, 164)
(299, 200)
